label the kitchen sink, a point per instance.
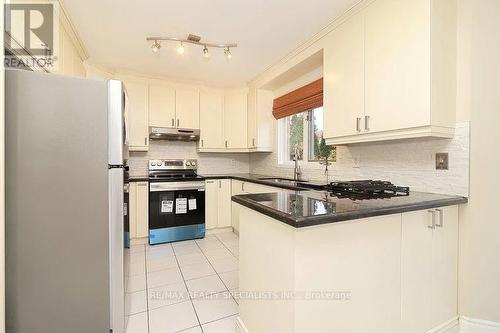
(282, 180)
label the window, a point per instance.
(303, 133)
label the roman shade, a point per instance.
(305, 98)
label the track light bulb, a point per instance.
(206, 54)
(180, 49)
(228, 54)
(156, 47)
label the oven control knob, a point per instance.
(188, 163)
(153, 163)
(193, 163)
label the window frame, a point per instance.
(283, 147)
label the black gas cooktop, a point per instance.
(366, 189)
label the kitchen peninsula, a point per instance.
(330, 264)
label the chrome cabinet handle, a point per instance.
(441, 218)
(145, 141)
(202, 143)
(367, 123)
(173, 122)
(253, 142)
(220, 184)
(177, 122)
(242, 187)
(432, 221)
(210, 181)
(226, 143)
(358, 124)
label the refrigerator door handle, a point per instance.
(116, 248)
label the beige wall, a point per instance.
(479, 97)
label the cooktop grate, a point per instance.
(366, 189)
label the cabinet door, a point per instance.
(397, 64)
(237, 187)
(416, 272)
(161, 106)
(138, 114)
(142, 209)
(445, 266)
(211, 115)
(344, 80)
(187, 108)
(235, 120)
(132, 210)
(224, 206)
(211, 204)
(265, 120)
(252, 118)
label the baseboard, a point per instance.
(470, 325)
(139, 241)
(464, 325)
(450, 326)
(218, 230)
(240, 327)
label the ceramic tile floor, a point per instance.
(183, 287)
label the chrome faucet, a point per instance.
(296, 168)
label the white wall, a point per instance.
(479, 97)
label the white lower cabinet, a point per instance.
(138, 209)
(217, 203)
(237, 188)
(429, 263)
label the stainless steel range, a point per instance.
(176, 201)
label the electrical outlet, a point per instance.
(357, 161)
(442, 161)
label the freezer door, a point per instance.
(117, 127)
(116, 249)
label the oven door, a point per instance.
(176, 211)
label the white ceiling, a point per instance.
(114, 32)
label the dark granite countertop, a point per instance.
(258, 179)
(309, 208)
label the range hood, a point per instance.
(174, 134)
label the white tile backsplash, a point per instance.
(208, 163)
(406, 163)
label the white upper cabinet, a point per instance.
(260, 120)
(343, 80)
(397, 64)
(390, 72)
(138, 99)
(235, 120)
(211, 115)
(187, 108)
(173, 107)
(161, 105)
(224, 121)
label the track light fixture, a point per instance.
(156, 47)
(192, 39)
(228, 54)
(180, 49)
(206, 54)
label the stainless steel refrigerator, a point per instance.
(65, 155)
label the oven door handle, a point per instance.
(176, 186)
